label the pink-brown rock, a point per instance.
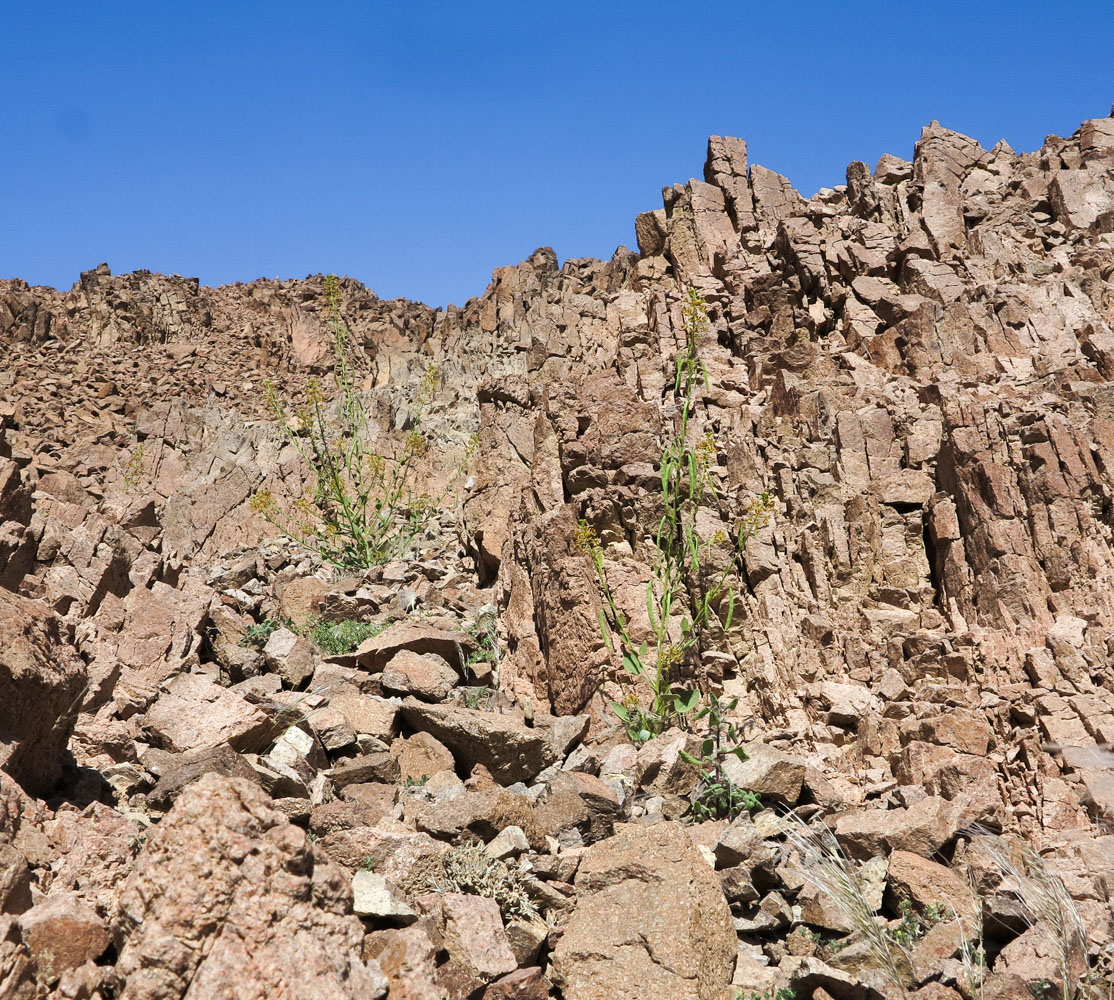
(474, 935)
(62, 933)
(193, 713)
(650, 920)
(228, 899)
(41, 687)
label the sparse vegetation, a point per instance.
(716, 796)
(365, 508)
(823, 865)
(913, 926)
(1046, 900)
(333, 637)
(257, 635)
(339, 637)
(470, 869)
(133, 471)
(681, 584)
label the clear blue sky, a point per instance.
(418, 144)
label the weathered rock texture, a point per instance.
(915, 366)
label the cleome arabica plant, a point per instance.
(364, 508)
(681, 584)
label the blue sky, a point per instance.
(416, 145)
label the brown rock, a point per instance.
(768, 772)
(474, 935)
(192, 713)
(406, 956)
(227, 898)
(15, 881)
(62, 933)
(42, 684)
(578, 807)
(508, 748)
(375, 653)
(651, 920)
(926, 883)
(291, 656)
(421, 756)
(522, 984)
(424, 675)
(366, 714)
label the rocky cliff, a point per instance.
(915, 367)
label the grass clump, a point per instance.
(1046, 900)
(823, 865)
(365, 508)
(680, 584)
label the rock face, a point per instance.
(42, 683)
(228, 899)
(913, 367)
(652, 922)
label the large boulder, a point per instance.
(42, 681)
(228, 899)
(651, 921)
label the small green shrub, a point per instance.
(339, 637)
(716, 797)
(913, 926)
(485, 639)
(256, 636)
(475, 697)
(767, 994)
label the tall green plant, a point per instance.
(364, 508)
(679, 583)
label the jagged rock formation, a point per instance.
(914, 365)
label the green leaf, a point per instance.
(619, 710)
(631, 665)
(688, 758)
(644, 735)
(650, 605)
(605, 631)
(707, 748)
(730, 612)
(740, 753)
(686, 701)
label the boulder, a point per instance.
(42, 684)
(424, 675)
(506, 746)
(650, 920)
(228, 899)
(193, 713)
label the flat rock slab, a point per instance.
(505, 745)
(193, 713)
(450, 644)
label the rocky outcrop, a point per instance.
(913, 366)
